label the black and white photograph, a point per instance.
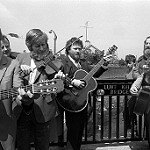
(74, 75)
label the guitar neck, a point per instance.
(13, 92)
(94, 70)
(44, 87)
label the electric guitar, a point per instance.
(75, 99)
(44, 87)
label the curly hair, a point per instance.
(130, 58)
(73, 41)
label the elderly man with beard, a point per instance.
(144, 60)
(140, 89)
(34, 112)
(142, 67)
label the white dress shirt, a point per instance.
(33, 73)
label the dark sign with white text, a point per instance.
(113, 87)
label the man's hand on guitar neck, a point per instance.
(24, 97)
(59, 75)
(106, 62)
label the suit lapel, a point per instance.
(70, 68)
(72, 64)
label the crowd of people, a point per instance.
(28, 117)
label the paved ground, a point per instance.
(136, 145)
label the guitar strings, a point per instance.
(13, 91)
(92, 72)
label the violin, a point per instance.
(50, 62)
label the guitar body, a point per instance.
(74, 99)
(143, 101)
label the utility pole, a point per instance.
(55, 38)
(86, 29)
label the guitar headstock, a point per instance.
(49, 86)
(111, 53)
(112, 49)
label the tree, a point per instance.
(122, 62)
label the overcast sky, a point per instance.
(125, 23)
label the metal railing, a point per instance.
(106, 123)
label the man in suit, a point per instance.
(35, 111)
(9, 78)
(141, 72)
(71, 63)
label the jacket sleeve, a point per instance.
(136, 86)
(17, 80)
(135, 72)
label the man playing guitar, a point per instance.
(71, 64)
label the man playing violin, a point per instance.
(34, 112)
(75, 121)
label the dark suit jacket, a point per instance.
(44, 106)
(69, 68)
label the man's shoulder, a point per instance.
(141, 58)
(23, 55)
